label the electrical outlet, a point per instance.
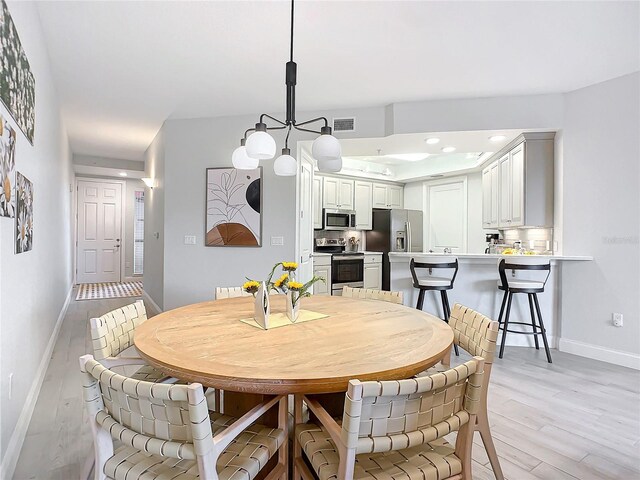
(277, 240)
(189, 239)
(617, 319)
(10, 385)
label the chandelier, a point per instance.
(260, 145)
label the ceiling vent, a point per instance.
(344, 124)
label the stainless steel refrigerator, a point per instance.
(394, 231)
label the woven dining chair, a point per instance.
(371, 294)
(167, 431)
(476, 335)
(112, 334)
(230, 292)
(395, 429)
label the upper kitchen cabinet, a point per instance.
(490, 189)
(520, 184)
(387, 196)
(362, 202)
(337, 193)
(317, 202)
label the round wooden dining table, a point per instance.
(358, 339)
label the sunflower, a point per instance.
(251, 286)
(296, 286)
(281, 281)
(289, 266)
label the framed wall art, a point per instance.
(7, 169)
(233, 208)
(24, 214)
(17, 85)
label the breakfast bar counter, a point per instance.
(476, 286)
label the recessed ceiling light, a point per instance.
(497, 138)
(432, 140)
(409, 157)
(449, 149)
(123, 174)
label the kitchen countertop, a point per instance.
(324, 254)
(405, 256)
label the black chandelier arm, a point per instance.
(262, 117)
(326, 122)
(286, 140)
(306, 130)
(247, 131)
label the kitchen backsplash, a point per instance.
(537, 239)
(346, 234)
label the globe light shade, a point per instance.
(326, 147)
(242, 161)
(330, 166)
(261, 146)
(285, 165)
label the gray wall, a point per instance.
(91, 161)
(602, 213)
(154, 221)
(34, 284)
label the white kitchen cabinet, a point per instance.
(373, 271)
(517, 189)
(317, 202)
(362, 205)
(322, 268)
(516, 158)
(395, 196)
(337, 193)
(387, 196)
(490, 196)
(504, 191)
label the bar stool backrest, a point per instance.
(523, 262)
(433, 262)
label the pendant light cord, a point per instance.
(291, 58)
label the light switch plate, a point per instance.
(189, 239)
(277, 240)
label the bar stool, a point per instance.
(432, 283)
(531, 288)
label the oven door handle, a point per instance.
(347, 257)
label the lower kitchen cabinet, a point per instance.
(322, 268)
(373, 271)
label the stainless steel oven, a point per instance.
(346, 270)
(338, 219)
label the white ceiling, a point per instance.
(122, 68)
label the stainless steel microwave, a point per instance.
(338, 219)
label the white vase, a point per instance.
(292, 310)
(262, 309)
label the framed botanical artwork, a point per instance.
(17, 85)
(7, 169)
(234, 208)
(24, 214)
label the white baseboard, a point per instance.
(16, 441)
(153, 304)
(625, 359)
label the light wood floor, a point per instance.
(575, 419)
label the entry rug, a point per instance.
(281, 320)
(97, 291)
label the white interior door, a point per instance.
(305, 236)
(447, 212)
(99, 231)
